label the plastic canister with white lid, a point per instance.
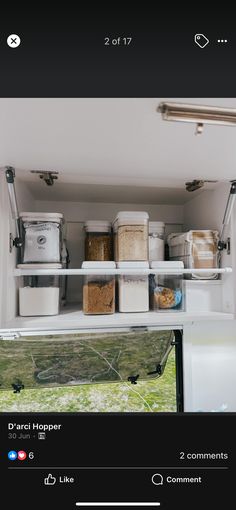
(98, 241)
(167, 293)
(156, 240)
(97, 226)
(42, 234)
(131, 236)
(39, 295)
(133, 288)
(40, 216)
(98, 289)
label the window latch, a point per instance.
(17, 387)
(157, 371)
(133, 378)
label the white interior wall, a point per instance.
(82, 211)
(209, 367)
(25, 199)
(206, 210)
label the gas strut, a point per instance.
(10, 176)
(222, 245)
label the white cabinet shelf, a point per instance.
(82, 272)
(72, 318)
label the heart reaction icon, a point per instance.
(22, 455)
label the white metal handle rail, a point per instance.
(141, 271)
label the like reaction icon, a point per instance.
(50, 480)
(12, 455)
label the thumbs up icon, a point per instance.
(50, 480)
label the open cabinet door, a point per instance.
(128, 356)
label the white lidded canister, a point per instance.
(39, 295)
(98, 241)
(131, 236)
(198, 249)
(168, 286)
(99, 290)
(156, 240)
(133, 289)
(42, 234)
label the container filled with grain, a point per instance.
(98, 241)
(131, 236)
(98, 289)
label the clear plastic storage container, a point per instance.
(131, 236)
(98, 290)
(156, 240)
(98, 241)
(133, 289)
(42, 233)
(197, 249)
(39, 295)
(168, 295)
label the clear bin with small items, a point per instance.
(167, 289)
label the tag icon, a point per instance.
(201, 40)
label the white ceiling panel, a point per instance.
(112, 141)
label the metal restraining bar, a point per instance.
(81, 272)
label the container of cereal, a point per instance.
(167, 293)
(131, 236)
(98, 289)
(98, 241)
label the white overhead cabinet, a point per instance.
(114, 155)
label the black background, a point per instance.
(150, 442)
(62, 53)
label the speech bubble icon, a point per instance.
(157, 479)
